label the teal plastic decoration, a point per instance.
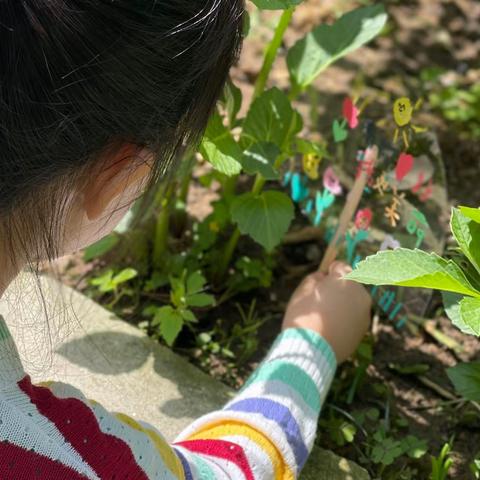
(322, 202)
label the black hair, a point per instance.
(78, 76)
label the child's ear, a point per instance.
(120, 171)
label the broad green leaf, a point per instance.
(104, 282)
(200, 300)
(260, 158)
(412, 268)
(276, 4)
(467, 235)
(327, 43)
(414, 447)
(188, 315)
(195, 282)
(466, 380)
(124, 276)
(451, 303)
(271, 118)
(387, 451)
(220, 149)
(100, 248)
(470, 313)
(265, 217)
(472, 213)
(170, 321)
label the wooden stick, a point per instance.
(353, 200)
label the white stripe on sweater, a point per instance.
(23, 425)
(268, 428)
(260, 463)
(143, 449)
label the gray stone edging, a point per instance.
(117, 365)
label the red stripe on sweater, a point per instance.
(17, 463)
(221, 449)
(107, 455)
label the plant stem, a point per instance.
(161, 230)
(228, 254)
(186, 179)
(269, 58)
(232, 243)
(229, 186)
(272, 50)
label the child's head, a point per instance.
(96, 96)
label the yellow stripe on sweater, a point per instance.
(166, 452)
(217, 431)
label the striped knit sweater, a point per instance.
(51, 431)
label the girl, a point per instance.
(97, 97)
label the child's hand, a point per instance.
(337, 309)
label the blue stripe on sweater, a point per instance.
(185, 465)
(282, 416)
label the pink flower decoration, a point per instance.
(331, 182)
(363, 219)
(350, 113)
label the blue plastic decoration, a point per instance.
(287, 178)
(352, 243)
(322, 202)
(298, 186)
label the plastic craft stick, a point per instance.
(351, 205)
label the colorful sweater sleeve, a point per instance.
(265, 432)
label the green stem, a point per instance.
(228, 254)
(161, 230)
(229, 186)
(269, 59)
(232, 243)
(187, 178)
(272, 51)
(313, 99)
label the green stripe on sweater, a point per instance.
(292, 376)
(203, 468)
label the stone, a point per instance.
(64, 336)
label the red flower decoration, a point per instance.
(350, 113)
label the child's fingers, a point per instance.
(339, 269)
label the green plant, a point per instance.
(109, 282)
(441, 464)
(256, 145)
(460, 105)
(186, 293)
(457, 277)
(270, 131)
(475, 467)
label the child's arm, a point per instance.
(266, 432)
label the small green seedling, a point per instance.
(110, 282)
(442, 464)
(187, 292)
